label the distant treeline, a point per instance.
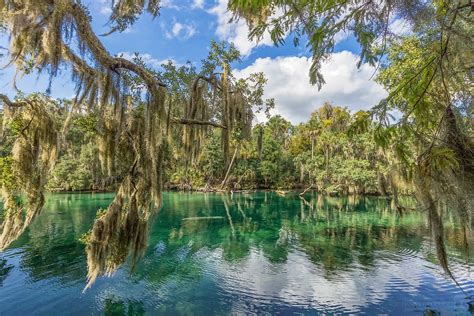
(328, 153)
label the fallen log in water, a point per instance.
(306, 190)
(197, 218)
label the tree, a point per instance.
(432, 139)
(43, 34)
(427, 75)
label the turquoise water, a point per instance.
(247, 253)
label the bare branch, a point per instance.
(10, 103)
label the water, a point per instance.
(257, 253)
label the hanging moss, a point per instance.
(43, 34)
(34, 155)
(117, 232)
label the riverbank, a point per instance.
(281, 192)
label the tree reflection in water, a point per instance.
(114, 306)
(334, 233)
(5, 269)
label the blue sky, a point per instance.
(183, 31)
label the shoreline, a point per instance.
(280, 192)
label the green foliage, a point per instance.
(73, 173)
(327, 152)
(438, 160)
(212, 160)
(78, 168)
(337, 151)
(221, 54)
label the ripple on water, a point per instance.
(259, 283)
(302, 273)
(401, 272)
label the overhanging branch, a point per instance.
(185, 121)
(10, 103)
(101, 54)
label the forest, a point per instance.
(137, 131)
(323, 154)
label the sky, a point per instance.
(182, 32)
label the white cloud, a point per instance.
(198, 4)
(169, 4)
(106, 10)
(148, 59)
(295, 98)
(400, 27)
(181, 31)
(105, 7)
(341, 36)
(236, 32)
(298, 282)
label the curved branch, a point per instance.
(10, 103)
(77, 62)
(212, 81)
(185, 121)
(101, 54)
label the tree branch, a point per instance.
(185, 121)
(101, 54)
(77, 62)
(10, 103)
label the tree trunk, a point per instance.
(302, 173)
(436, 222)
(396, 201)
(224, 182)
(382, 184)
(225, 115)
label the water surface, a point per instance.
(257, 253)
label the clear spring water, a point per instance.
(254, 253)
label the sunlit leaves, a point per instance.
(361, 121)
(277, 34)
(384, 135)
(221, 54)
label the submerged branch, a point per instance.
(202, 218)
